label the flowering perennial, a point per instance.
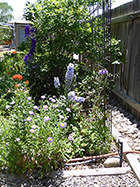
(79, 99)
(63, 125)
(68, 109)
(12, 103)
(49, 139)
(73, 97)
(56, 82)
(70, 137)
(36, 107)
(102, 72)
(32, 130)
(45, 106)
(69, 75)
(29, 98)
(33, 44)
(19, 77)
(31, 113)
(28, 118)
(14, 52)
(27, 30)
(43, 97)
(34, 126)
(18, 139)
(52, 100)
(17, 85)
(7, 106)
(46, 119)
(26, 82)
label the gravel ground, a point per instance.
(126, 180)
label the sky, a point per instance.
(19, 5)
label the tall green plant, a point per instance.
(62, 29)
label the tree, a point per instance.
(5, 12)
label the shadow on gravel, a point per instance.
(113, 104)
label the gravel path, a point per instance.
(126, 124)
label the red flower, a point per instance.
(17, 77)
(26, 82)
(8, 71)
(14, 52)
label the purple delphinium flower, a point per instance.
(46, 119)
(36, 107)
(49, 139)
(28, 118)
(32, 130)
(56, 82)
(79, 99)
(18, 139)
(45, 106)
(63, 125)
(68, 109)
(31, 113)
(43, 97)
(33, 44)
(7, 144)
(69, 75)
(7, 106)
(102, 72)
(70, 137)
(71, 95)
(25, 59)
(34, 67)
(32, 30)
(27, 30)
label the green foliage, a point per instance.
(62, 29)
(5, 16)
(11, 64)
(5, 12)
(6, 37)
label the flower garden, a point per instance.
(52, 105)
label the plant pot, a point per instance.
(8, 42)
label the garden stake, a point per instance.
(120, 151)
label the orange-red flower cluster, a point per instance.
(14, 52)
(26, 82)
(16, 85)
(18, 77)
